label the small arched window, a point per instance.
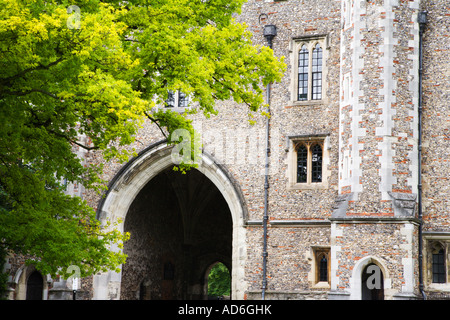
(323, 268)
(176, 99)
(309, 161)
(322, 257)
(438, 263)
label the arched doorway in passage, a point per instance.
(217, 282)
(35, 286)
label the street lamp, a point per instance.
(270, 31)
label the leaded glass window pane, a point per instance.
(323, 269)
(182, 100)
(302, 162)
(170, 102)
(439, 267)
(317, 73)
(303, 65)
(316, 163)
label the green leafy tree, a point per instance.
(3, 275)
(98, 69)
(219, 281)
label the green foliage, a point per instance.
(101, 77)
(219, 281)
(3, 275)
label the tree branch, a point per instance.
(24, 72)
(24, 93)
(155, 121)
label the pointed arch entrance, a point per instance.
(213, 190)
(372, 283)
(35, 286)
(370, 280)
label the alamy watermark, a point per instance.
(230, 146)
(74, 21)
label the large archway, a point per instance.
(126, 196)
(179, 223)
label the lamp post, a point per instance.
(422, 20)
(270, 31)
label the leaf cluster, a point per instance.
(64, 89)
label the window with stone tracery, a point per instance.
(322, 265)
(176, 99)
(309, 66)
(307, 159)
(436, 260)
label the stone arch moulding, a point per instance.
(129, 181)
(355, 281)
(20, 281)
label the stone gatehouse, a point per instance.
(355, 202)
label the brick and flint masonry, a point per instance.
(232, 309)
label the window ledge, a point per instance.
(321, 285)
(439, 286)
(308, 186)
(178, 109)
(306, 103)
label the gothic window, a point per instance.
(309, 161)
(308, 158)
(323, 268)
(438, 264)
(322, 258)
(309, 66)
(176, 99)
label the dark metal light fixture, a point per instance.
(270, 31)
(422, 17)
